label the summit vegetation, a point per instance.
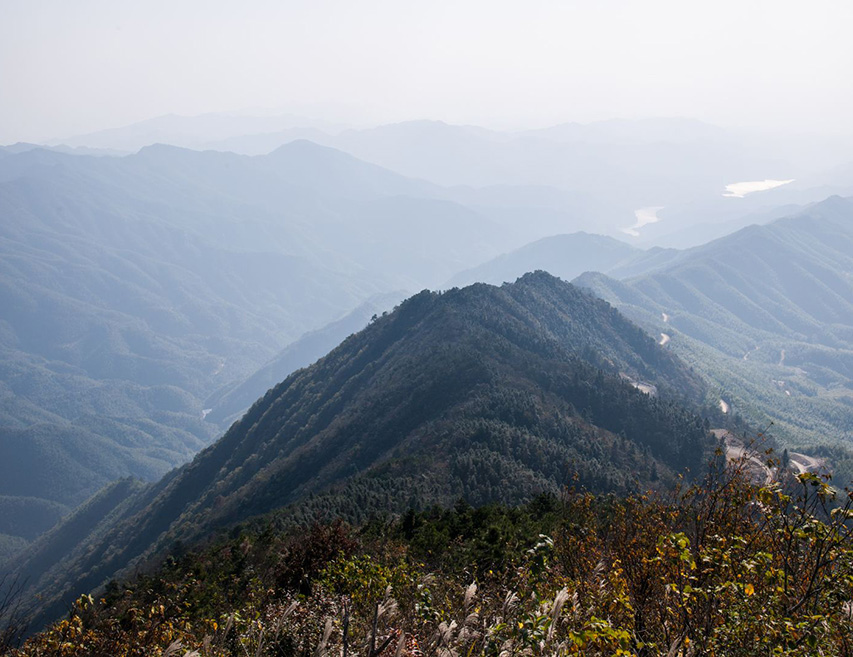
(723, 567)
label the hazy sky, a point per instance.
(72, 66)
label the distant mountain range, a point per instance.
(198, 131)
(485, 393)
(134, 288)
(616, 167)
(607, 170)
(566, 256)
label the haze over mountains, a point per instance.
(178, 273)
(136, 290)
(566, 256)
(481, 328)
(149, 300)
(605, 170)
(133, 288)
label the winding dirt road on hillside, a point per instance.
(736, 450)
(803, 463)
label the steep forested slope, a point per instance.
(492, 394)
(767, 313)
(231, 401)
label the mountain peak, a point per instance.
(306, 163)
(160, 148)
(306, 146)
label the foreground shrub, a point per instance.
(726, 567)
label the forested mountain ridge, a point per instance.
(766, 313)
(492, 394)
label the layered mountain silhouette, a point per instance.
(610, 168)
(484, 393)
(604, 170)
(564, 256)
(134, 288)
